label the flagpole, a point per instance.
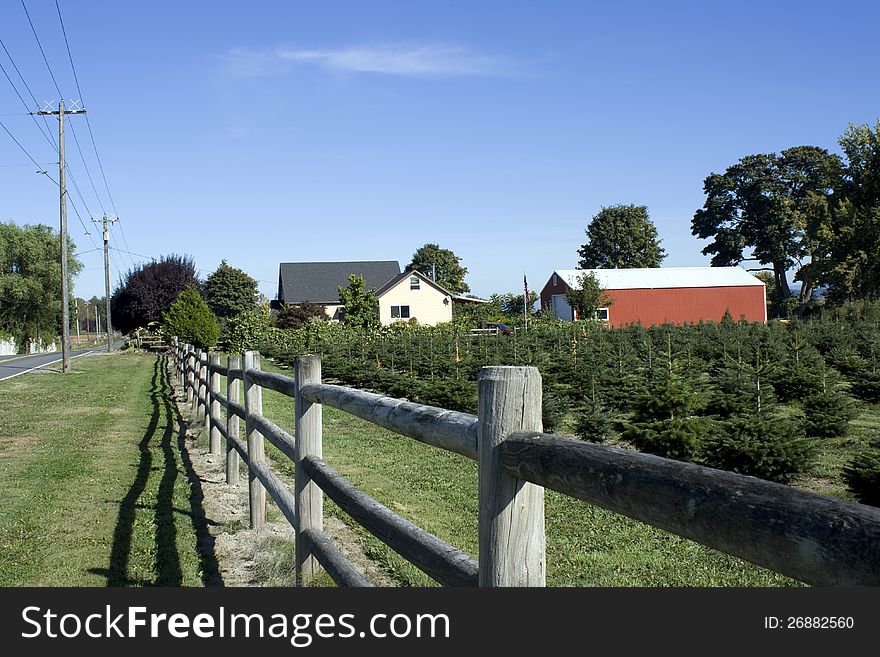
(525, 303)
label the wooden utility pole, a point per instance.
(65, 302)
(107, 323)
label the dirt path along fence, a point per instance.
(813, 538)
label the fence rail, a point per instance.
(814, 538)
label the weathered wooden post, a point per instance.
(511, 523)
(253, 404)
(190, 373)
(203, 384)
(175, 365)
(232, 387)
(214, 414)
(309, 497)
(197, 354)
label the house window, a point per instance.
(414, 283)
(602, 314)
(399, 312)
(555, 280)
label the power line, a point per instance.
(130, 260)
(33, 97)
(58, 89)
(24, 150)
(88, 122)
(40, 46)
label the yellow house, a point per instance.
(413, 295)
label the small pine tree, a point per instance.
(553, 411)
(766, 446)
(866, 385)
(662, 424)
(862, 476)
(672, 438)
(191, 320)
(795, 382)
(827, 415)
(593, 423)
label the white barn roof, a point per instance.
(664, 277)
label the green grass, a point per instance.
(95, 490)
(586, 545)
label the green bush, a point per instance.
(862, 476)
(767, 447)
(191, 320)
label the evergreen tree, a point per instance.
(191, 320)
(863, 475)
(230, 291)
(361, 305)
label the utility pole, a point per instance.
(107, 324)
(65, 302)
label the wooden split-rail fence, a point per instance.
(813, 538)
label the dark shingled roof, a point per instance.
(319, 282)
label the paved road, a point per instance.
(11, 366)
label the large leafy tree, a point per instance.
(361, 305)
(621, 236)
(230, 291)
(30, 281)
(148, 290)
(775, 205)
(430, 258)
(849, 237)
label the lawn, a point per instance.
(95, 490)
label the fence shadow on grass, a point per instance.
(167, 559)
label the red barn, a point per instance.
(673, 295)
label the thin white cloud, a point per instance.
(431, 60)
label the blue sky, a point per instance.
(264, 132)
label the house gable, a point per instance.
(411, 294)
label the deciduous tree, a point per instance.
(430, 258)
(588, 296)
(30, 281)
(774, 205)
(297, 316)
(621, 236)
(148, 290)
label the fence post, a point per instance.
(214, 414)
(309, 497)
(175, 365)
(511, 523)
(233, 362)
(253, 404)
(190, 373)
(203, 384)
